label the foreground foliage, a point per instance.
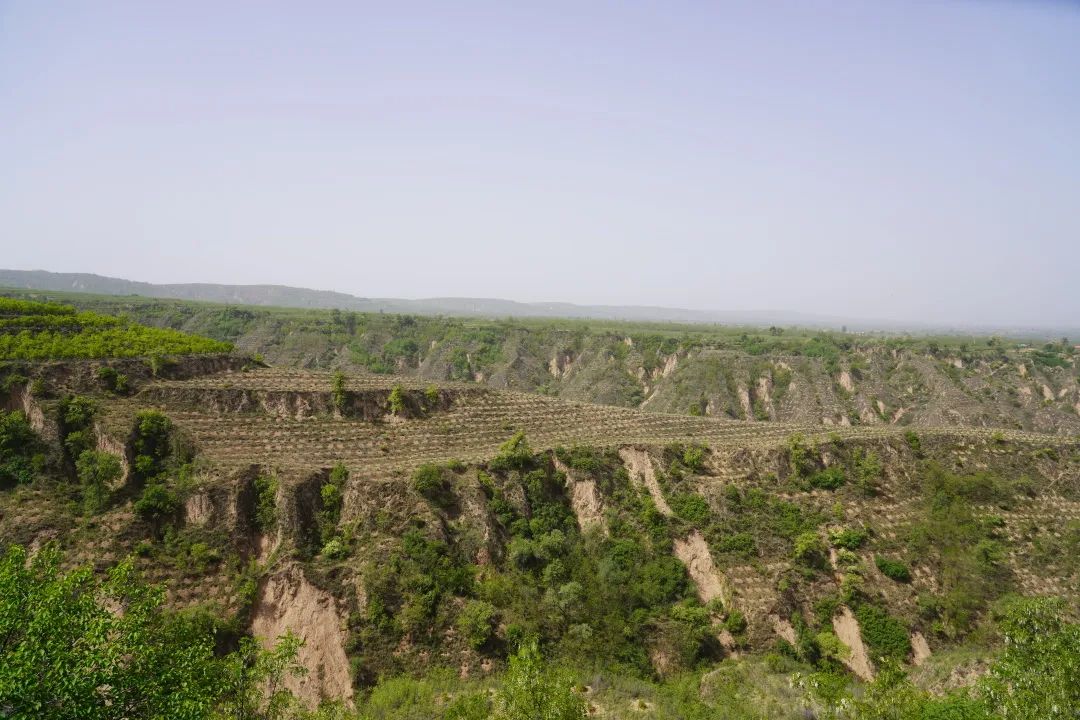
(73, 645)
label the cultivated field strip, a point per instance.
(472, 429)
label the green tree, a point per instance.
(477, 622)
(97, 471)
(1036, 676)
(18, 446)
(397, 400)
(338, 394)
(533, 690)
(68, 652)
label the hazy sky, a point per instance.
(898, 160)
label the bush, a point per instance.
(1035, 678)
(883, 634)
(430, 481)
(693, 458)
(67, 653)
(338, 394)
(112, 380)
(848, 538)
(19, 445)
(690, 507)
(893, 569)
(828, 479)
(514, 454)
(476, 622)
(396, 400)
(156, 503)
(662, 580)
(266, 487)
(532, 690)
(810, 550)
(152, 445)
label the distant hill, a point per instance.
(285, 296)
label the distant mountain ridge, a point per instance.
(286, 296)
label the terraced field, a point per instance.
(239, 418)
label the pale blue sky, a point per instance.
(899, 159)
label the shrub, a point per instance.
(18, 446)
(661, 581)
(1035, 677)
(476, 622)
(266, 487)
(338, 394)
(583, 459)
(152, 445)
(396, 400)
(431, 394)
(893, 569)
(797, 455)
(741, 543)
(693, 458)
(335, 549)
(848, 538)
(868, 469)
(690, 507)
(810, 550)
(533, 690)
(886, 636)
(156, 503)
(514, 454)
(112, 380)
(431, 482)
(67, 653)
(830, 478)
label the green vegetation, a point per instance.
(37, 331)
(433, 482)
(20, 449)
(330, 501)
(65, 652)
(849, 538)
(476, 622)
(396, 400)
(532, 690)
(830, 478)
(97, 471)
(963, 546)
(338, 394)
(893, 569)
(885, 636)
(266, 488)
(615, 362)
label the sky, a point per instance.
(905, 160)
